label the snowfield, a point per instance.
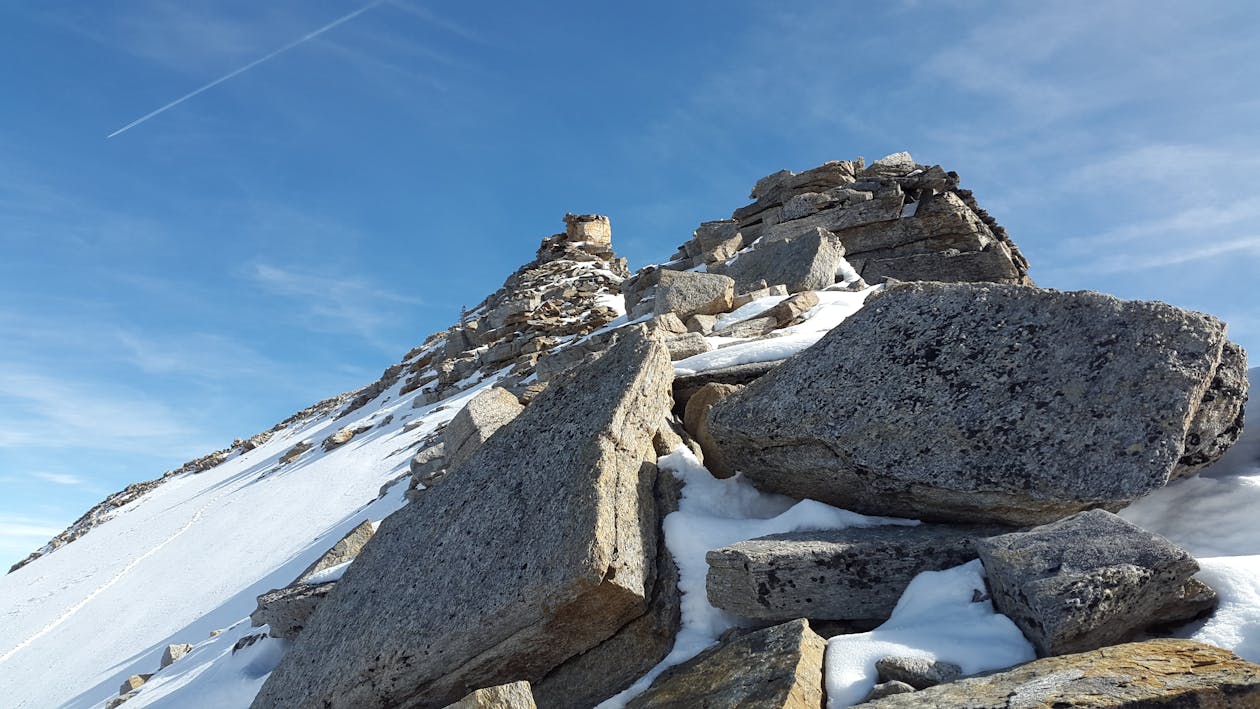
(190, 557)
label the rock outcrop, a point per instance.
(465, 588)
(516, 695)
(1083, 582)
(1156, 673)
(773, 668)
(975, 403)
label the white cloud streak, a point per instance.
(233, 74)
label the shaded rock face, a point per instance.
(1218, 423)
(401, 629)
(1156, 673)
(516, 695)
(173, 653)
(854, 574)
(780, 666)
(286, 611)
(346, 549)
(1083, 582)
(484, 414)
(979, 403)
(696, 421)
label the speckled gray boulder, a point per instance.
(685, 293)
(1218, 424)
(854, 574)
(806, 261)
(974, 402)
(542, 545)
(1083, 582)
(484, 414)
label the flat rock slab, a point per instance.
(772, 668)
(1083, 582)
(970, 402)
(544, 546)
(516, 695)
(286, 611)
(854, 574)
(1156, 673)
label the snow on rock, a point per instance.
(714, 513)
(832, 309)
(937, 618)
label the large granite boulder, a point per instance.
(1156, 673)
(973, 402)
(1083, 582)
(484, 414)
(854, 574)
(774, 668)
(545, 546)
(807, 260)
(685, 293)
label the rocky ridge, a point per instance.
(533, 560)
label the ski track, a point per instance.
(70, 612)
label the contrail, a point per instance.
(247, 67)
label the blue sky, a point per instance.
(288, 233)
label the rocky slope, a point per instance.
(840, 447)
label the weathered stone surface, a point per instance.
(775, 667)
(287, 610)
(992, 265)
(1218, 423)
(713, 234)
(687, 385)
(854, 574)
(668, 322)
(1192, 601)
(685, 294)
(887, 689)
(343, 436)
(886, 206)
(696, 421)
(978, 402)
(684, 346)
(752, 327)
(295, 452)
(344, 550)
(174, 652)
(805, 261)
(134, 682)
(917, 672)
(403, 629)
(941, 222)
(593, 228)
(606, 669)
(702, 324)
(428, 459)
(893, 165)
(484, 414)
(1156, 673)
(516, 695)
(121, 699)
(1083, 582)
(793, 307)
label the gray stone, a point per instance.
(343, 436)
(668, 322)
(772, 668)
(793, 307)
(696, 422)
(516, 695)
(917, 672)
(894, 165)
(428, 459)
(992, 265)
(1194, 600)
(713, 234)
(1089, 580)
(175, 652)
(969, 403)
(1218, 423)
(940, 222)
(887, 689)
(1156, 673)
(752, 327)
(465, 588)
(134, 682)
(608, 668)
(805, 261)
(702, 324)
(886, 206)
(854, 574)
(346, 549)
(592, 228)
(687, 385)
(287, 610)
(685, 294)
(688, 345)
(484, 414)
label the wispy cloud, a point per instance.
(60, 478)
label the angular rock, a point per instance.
(287, 610)
(685, 294)
(807, 261)
(668, 322)
(886, 206)
(917, 672)
(687, 385)
(780, 666)
(702, 324)
(1156, 673)
(403, 628)
(1194, 600)
(713, 234)
(993, 265)
(346, 549)
(295, 452)
(428, 459)
(484, 414)
(752, 327)
(594, 228)
(134, 682)
(175, 652)
(894, 165)
(854, 574)
(1219, 421)
(516, 695)
(793, 307)
(615, 664)
(887, 689)
(978, 403)
(684, 346)
(343, 436)
(1083, 582)
(696, 422)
